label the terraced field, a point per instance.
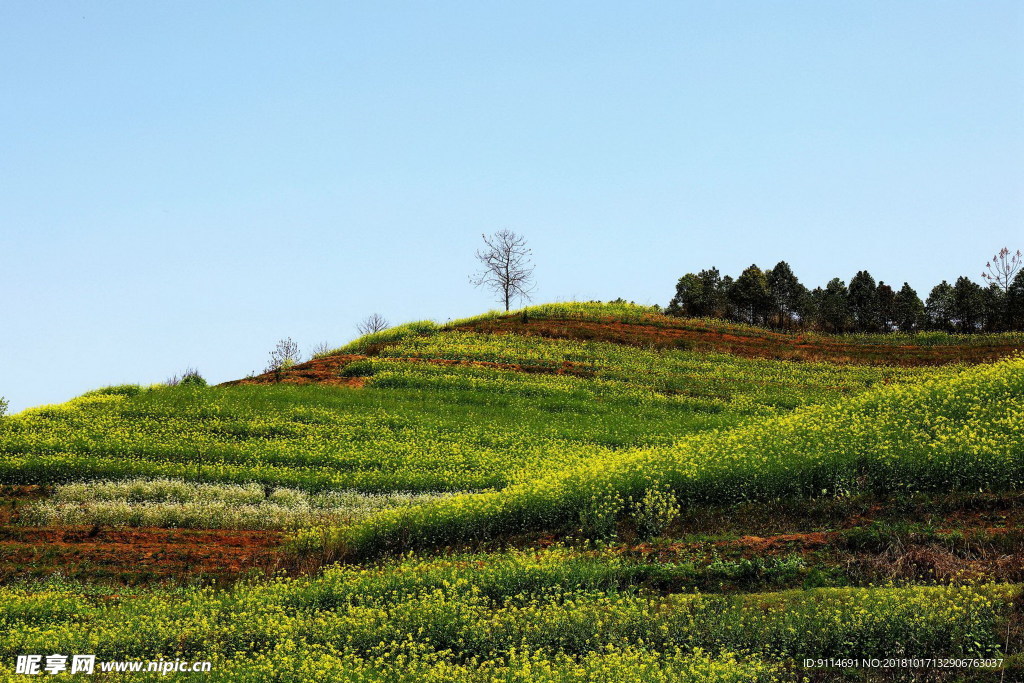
(576, 492)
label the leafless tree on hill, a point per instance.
(1002, 268)
(507, 270)
(372, 323)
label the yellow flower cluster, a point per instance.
(449, 621)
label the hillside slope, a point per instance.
(646, 328)
(576, 493)
(961, 432)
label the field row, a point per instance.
(170, 503)
(371, 623)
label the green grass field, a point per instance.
(488, 505)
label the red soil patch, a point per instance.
(999, 516)
(13, 495)
(325, 370)
(319, 371)
(125, 553)
(765, 546)
(130, 554)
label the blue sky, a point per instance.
(185, 183)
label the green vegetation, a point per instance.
(451, 621)
(961, 432)
(518, 498)
(654, 316)
(192, 378)
(776, 298)
(173, 503)
(421, 426)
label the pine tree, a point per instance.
(729, 311)
(786, 293)
(994, 314)
(939, 307)
(864, 308)
(909, 310)
(968, 305)
(750, 296)
(834, 307)
(686, 294)
(712, 293)
(886, 307)
(1015, 303)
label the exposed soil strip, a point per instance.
(131, 555)
(973, 536)
(325, 370)
(317, 371)
(753, 343)
(125, 554)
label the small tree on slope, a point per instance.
(284, 356)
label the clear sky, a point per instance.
(184, 183)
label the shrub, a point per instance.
(358, 368)
(320, 350)
(655, 512)
(3, 406)
(284, 356)
(599, 515)
(192, 378)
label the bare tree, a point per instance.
(1002, 268)
(507, 270)
(373, 323)
(321, 349)
(284, 356)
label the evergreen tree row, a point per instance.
(775, 298)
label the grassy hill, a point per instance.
(573, 492)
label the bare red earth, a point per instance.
(319, 370)
(125, 553)
(325, 370)
(129, 553)
(691, 335)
